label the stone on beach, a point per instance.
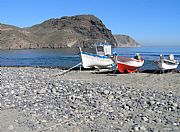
(62, 103)
(10, 127)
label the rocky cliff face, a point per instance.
(75, 31)
(125, 41)
(12, 37)
(81, 30)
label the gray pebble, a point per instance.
(106, 92)
(10, 127)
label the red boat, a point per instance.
(128, 65)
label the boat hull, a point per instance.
(93, 60)
(128, 65)
(164, 65)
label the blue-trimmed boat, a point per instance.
(101, 59)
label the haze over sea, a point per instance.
(65, 58)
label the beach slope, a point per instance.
(33, 99)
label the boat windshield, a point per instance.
(100, 49)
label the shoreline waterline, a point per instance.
(66, 58)
(150, 71)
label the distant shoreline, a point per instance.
(69, 48)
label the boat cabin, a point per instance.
(171, 57)
(103, 49)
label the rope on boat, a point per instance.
(68, 70)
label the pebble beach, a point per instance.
(39, 100)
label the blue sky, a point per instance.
(150, 22)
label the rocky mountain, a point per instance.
(74, 31)
(12, 37)
(125, 41)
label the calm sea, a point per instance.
(70, 57)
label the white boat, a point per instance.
(101, 59)
(167, 64)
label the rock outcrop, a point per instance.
(81, 30)
(12, 37)
(125, 41)
(66, 32)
